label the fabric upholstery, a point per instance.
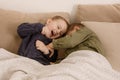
(101, 12)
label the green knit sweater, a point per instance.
(83, 39)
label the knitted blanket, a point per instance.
(79, 65)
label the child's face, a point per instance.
(56, 28)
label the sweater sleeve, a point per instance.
(70, 41)
(26, 29)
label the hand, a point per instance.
(42, 47)
(51, 51)
(50, 47)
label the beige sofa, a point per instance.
(104, 20)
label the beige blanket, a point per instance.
(79, 65)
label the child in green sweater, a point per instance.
(78, 37)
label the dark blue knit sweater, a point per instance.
(29, 33)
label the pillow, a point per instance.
(109, 36)
(9, 21)
(101, 12)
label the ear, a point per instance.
(76, 28)
(49, 21)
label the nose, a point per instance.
(59, 31)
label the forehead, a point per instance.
(61, 23)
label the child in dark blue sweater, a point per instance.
(31, 33)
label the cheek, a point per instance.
(51, 27)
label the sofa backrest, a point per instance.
(98, 12)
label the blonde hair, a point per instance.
(62, 18)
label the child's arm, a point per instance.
(26, 29)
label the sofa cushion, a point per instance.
(109, 36)
(9, 21)
(101, 12)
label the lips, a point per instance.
(53, 33)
